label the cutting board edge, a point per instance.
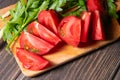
(65, 62)
(39, 72)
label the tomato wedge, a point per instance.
(70, 30)
(49, 19)
(86, 19)
(93, 5)
(97, 27)
(42, 32)
(34, 44)
(30, 60)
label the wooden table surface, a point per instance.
(102, 64)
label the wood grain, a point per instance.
(117, 75)
(97, 65)
(65, 52)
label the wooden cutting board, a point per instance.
(65, 53)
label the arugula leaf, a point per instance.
(21, 16)
(82, 5)
(112, 8)
(58, 4)
(63, 5)
(54, 5)
(29, 3)
(79, 7)
(35, 4)
(70, 4)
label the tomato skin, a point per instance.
(49, 19)
(34, 44)
(30, 60)
(96, 7)
(70, 30)
(86, 19)
(93, 5)
(42, 32)
(97, 27)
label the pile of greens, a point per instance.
(112, 8)
(26, 12)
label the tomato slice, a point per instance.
(30, 60)
(34, 44)
(49, 19)
(42, 32)
(93, 5)
(97, 27)
(86, 19)
(70, 30)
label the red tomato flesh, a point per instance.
(93, 5)
(86, 19)
(49, 19)
(97, 27)
(70, 30)
(34, 44)
(30, 60)
(42, 32)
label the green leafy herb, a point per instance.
(58, 4)
(20, 17)
(0, 16)
(112, 8)
(79, 7)
(24, 13)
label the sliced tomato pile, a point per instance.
(42, 36)
(93, 5)
(49, 19)
(34, 44)
(40, 31)
(86, 18)
(70, 30)
(38, 40)
(31, 61)
(97, 26)
(75, 30)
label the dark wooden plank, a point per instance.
(117, 77)
(98, 65)
(8, 66)
(5, 3)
